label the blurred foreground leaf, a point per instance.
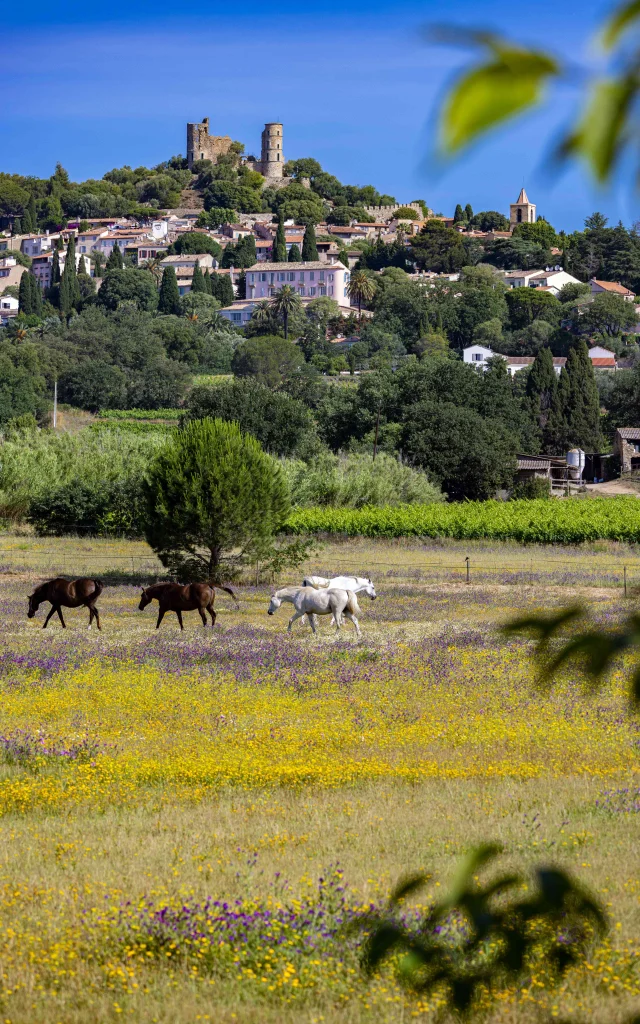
(483, 935)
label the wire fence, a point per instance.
(478, 571)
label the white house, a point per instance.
(8, 308)
(309, 280)
(551, 280)
(10, 272)
(34, 245)
(602, 358)
(478, 356)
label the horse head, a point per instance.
(370, 590)
(145, 599)
(274, 604)
(34, 604)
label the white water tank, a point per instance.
(575, 463)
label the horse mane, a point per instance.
(39, 590)
(154, 588)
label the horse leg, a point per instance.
(97, 618)
(203, 617)
(212, 613)
(297, 615)
(356, 624)
(160, 617)
(59, 610)
(179, 614)
(53, 608)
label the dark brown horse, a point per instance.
(67, 594)
(174, 597)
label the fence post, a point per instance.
(625, 581)
(468, 569)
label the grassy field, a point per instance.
(187, 820)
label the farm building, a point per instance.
(626, 445)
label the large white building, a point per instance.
(309, 280)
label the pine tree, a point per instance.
(458, 215)
(309, 247)
(542, 385)
(36, 296)
(279, 250)
(582, 408)
(294, 254)
(24, 294)
(197, 282)
(207, 282)
(169, 300)
(115, 261)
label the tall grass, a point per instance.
(35, 462)
(353, 481)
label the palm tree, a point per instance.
(285, 303)
(361, 289)
(154, 268)
(262, 311)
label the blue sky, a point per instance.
(98, 86)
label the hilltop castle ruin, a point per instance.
(202, 146)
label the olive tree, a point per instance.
(214, 502)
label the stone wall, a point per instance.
(202, 146)
(386, 212)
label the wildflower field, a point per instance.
(189, 821)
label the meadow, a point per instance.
(187, 821)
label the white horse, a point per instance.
(357, 584)
(311, 602)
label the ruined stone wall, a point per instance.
(386, 212)
(202, 146)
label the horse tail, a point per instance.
(352, 603)
(230, 591)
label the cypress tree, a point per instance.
(241, 286)
(16, 226)
(115, 261)
(214, 283)
(542, 386)
(582, 408)
(227, 294)
(458, 214)
(169, 301)
(24, 294)
(27, 225)
(468, 211)
(207, 282)
(246, 255)
(55, 268)
(71, 274)
(36, 296)
(279, 250)
(198, 282)
(33, 213)
(64, 294)
(309, 247)
(294, 254)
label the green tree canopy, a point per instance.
(169, 299)
(211, 492)
(267, 359)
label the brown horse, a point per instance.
(67, 594)
(174, 597)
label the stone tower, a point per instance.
(202, 146)
(271, 155)
(522, 211)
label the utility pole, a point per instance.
(55, 404)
